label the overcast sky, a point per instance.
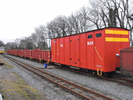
(19, 17)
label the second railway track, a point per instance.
(115, 78)
(74, 88)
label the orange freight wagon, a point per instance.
(36, 54)
(25, 53)
(19, 53)
(29, 53)
(96, 50)
(11, 52)
(15, 52)
(45, 55)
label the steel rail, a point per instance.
(68, 82)
(122, 81)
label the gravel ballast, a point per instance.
(111, 89)
(51, 91)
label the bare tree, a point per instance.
(34, 39)
(41, 37)
(110, 13)
(29, 44)
(22, 44)
(99, 14)
(8, 45)
(54, 29)
(2, 43)
(78, 22)
(61, 22)
(11, 45)
(74, 23)
(93, 14)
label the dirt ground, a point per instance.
(13, 86)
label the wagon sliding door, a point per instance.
(61, 50)
(58, 50)
(99, 50)
(72, 51)
(90, 50)
(83, 49)
(77, 58)
(67, 49)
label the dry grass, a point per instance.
(6, 65)
(19, 90)
(13, 87)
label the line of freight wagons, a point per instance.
(97, 50)
(36, 54)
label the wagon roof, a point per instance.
(127, 49)
(93, 30)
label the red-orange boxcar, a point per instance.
(96, 50)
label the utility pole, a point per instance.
(49, 35)
(112, 17)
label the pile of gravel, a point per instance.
(111, 89)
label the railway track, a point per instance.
(78, 90)
(116, 78)
(123, 81)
